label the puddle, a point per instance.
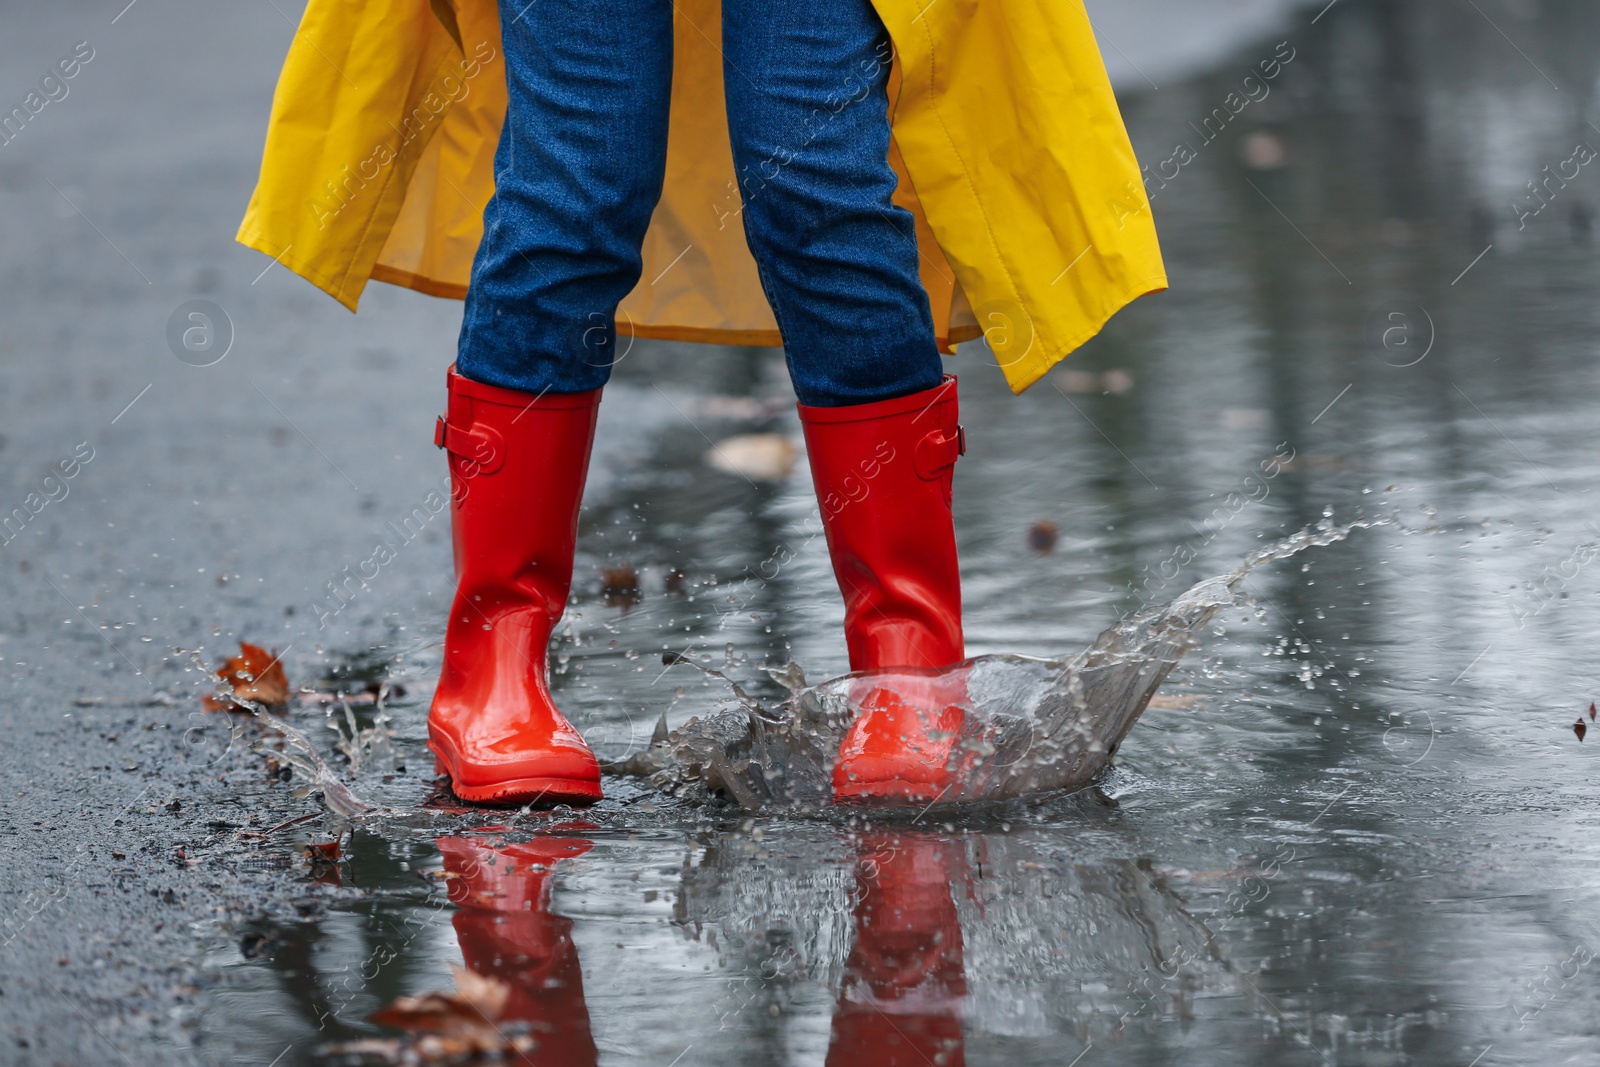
(876, 946)
(1029, 726)
(864, 936)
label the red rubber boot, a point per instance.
(905, 983)
(883, 476)
(517, 468)
(507, 931)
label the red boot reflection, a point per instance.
(507, 931)
(900, 1003)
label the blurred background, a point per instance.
(1383, 279)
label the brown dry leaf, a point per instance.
(1172, 701)
(675, 579)
(760, 457)
(620, 585)
(324, 862)
(1246, 418)
(1071, 380)
(254, 674)
(459, 1027)
(323, 853)
(1043, 535)
(1262, 150)
(475, 1005)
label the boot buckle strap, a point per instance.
(480, 447)
(939, 451)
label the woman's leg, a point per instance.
(578, 172)
(807, 116)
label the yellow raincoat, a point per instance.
(1031, 212)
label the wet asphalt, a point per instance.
(166, 545)
(118, 204)
(176, 506)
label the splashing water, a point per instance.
(1030, 725)
(301, 753)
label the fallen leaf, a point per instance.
(1076, 381)
(1172, 701)
(255, 675)
(1043, 535)
(324, 862)
(746, 408)
(1580, 728)
(1262, 150)
(475, 1005)
(1246, 418)
(323, 853)
(1591, 711)
(675, 579)
(1070, 380)
(1116, 380)
(619, 585)
(762, 457)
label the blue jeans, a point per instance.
(580, 167)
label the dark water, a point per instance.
(1356, 827)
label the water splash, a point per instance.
(1030, 726)
(298, 751)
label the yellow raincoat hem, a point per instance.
(333, 286)
(1027, 370)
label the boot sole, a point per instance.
(520, 791)
(890, 789)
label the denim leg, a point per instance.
(808, 119)
(578, 172)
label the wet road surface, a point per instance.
(1359, 826)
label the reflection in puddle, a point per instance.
(890, 945)
(507, 931)
(904, 981)
(885, 932)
